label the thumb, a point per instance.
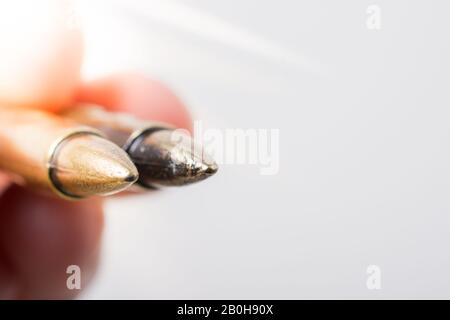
(40, 53)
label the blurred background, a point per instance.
(364, 171)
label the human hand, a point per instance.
(40, 236)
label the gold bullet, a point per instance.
(162, 155)
(47, 152)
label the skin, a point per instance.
(40, 235)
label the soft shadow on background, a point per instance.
(364, 159)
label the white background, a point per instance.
(364, 150)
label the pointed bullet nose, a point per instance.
(114, 170)
(211, 169)
(132, 177)
(88, 165)
(164, 159)
(207, 167)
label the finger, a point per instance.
(4, 182)
(40, 53)
(40, 59)
(139, 95)
(40, 237)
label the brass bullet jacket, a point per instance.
(162, 159)
(47, 152)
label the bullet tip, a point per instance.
(212, 169)
(164, 159)
(89, 165)
(131, 178)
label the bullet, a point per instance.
(162, 155)
(47, 152)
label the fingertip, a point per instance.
(41, 54)
(4, 182)
(137, 94)
(41, 236)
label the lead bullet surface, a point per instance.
(163, 159)
(155, 148)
